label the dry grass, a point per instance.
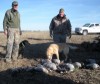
(38, 41)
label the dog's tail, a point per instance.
(73, 47)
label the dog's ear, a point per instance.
(26, 42)
(21, 44)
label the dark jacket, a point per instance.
(60, 25)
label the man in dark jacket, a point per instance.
(60, 27)
(11, 26)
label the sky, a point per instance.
(37, 14)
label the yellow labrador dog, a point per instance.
(57, 48)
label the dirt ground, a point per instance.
(36, 51)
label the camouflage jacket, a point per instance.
(11, 19)
(60, 25)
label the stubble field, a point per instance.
(36, 51)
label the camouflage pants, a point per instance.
(12, 43)
(60, 38)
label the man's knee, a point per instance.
(16, 46)
(16, 39)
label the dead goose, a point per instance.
(65, 67)
(77, 65)
(50, 66)
(92, 66)
(41, 68)
(56, 61)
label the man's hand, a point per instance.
(69, 35)
(5, 32)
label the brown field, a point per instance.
(39, 42)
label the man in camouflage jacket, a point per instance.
(11, 26)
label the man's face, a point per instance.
(61, 14)
(15, 7)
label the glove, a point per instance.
(69, 35)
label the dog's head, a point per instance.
(24, 43)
